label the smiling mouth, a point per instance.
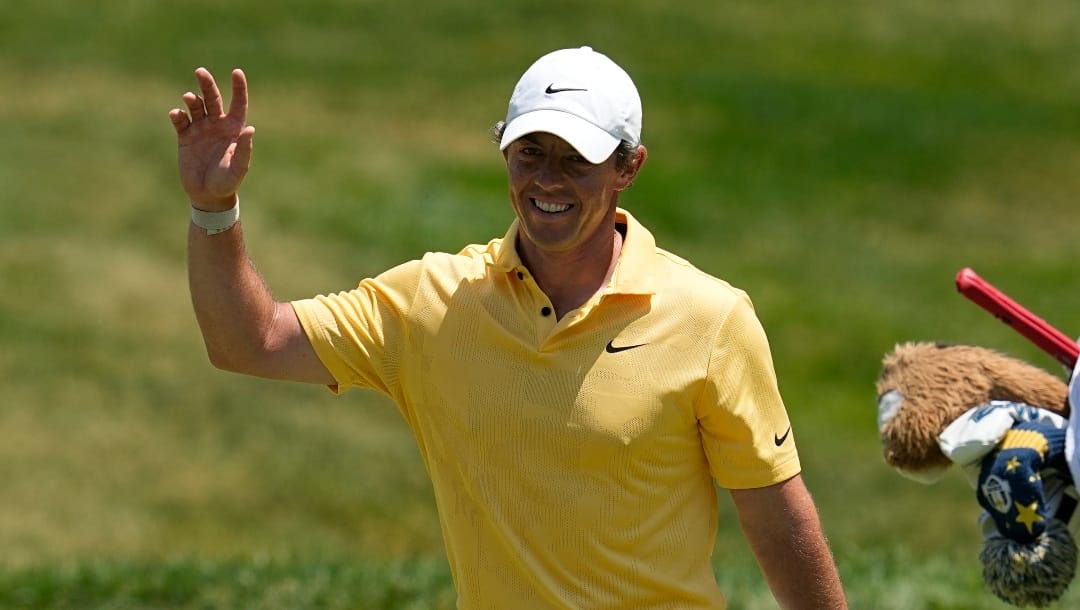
(551, 208)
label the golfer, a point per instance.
(576, 392)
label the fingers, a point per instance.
(180, 120)
(211, 95)
(210, 104)
(239, 105)
(194, 105)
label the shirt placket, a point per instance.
(537, 307)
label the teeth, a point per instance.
(551, 207)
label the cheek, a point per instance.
(515, 184)
(595, 186)
(519, 174)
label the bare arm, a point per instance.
(245, 330)
(781, 524)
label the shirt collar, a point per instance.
(634, 273)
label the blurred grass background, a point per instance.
(840, 161)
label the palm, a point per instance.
(205, 156)
(214, 148)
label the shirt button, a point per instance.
(546, 311)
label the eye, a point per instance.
(527, 153)
(526, 148)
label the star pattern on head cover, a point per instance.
(1012, 464)
(1028, 515)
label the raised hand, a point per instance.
(214, 148)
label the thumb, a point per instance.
(245, 143)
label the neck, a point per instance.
(570, 279)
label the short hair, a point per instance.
(624, 152)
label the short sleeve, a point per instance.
(744, 425)
(358, 335)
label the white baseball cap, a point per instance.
(579, 95)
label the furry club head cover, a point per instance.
(1004, 422)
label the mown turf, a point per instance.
(838, 161)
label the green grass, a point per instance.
(896, 580)
(839, 161)
(257, 584)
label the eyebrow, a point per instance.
(533, 139)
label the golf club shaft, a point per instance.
(1035, 329)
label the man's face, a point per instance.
(564, 204)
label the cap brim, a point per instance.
(595, 144)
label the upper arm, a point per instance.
(288, 353)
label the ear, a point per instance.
(628, 173)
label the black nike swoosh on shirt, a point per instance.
(779, 439)
(611, 349)
(552, 89)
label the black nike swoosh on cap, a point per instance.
(552, 89)
(611, 349)
(779, 439)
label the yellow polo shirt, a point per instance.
(572, 460)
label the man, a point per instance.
(574, 390)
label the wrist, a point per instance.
(215, 204)
(216, 221)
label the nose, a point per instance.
(550, 176)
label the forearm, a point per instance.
(233, 306)
(782, 526)
(244, 329)
(802, 574)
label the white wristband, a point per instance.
(216, 222)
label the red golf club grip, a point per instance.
(1049, 339)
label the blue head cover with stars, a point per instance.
(1010, 486)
